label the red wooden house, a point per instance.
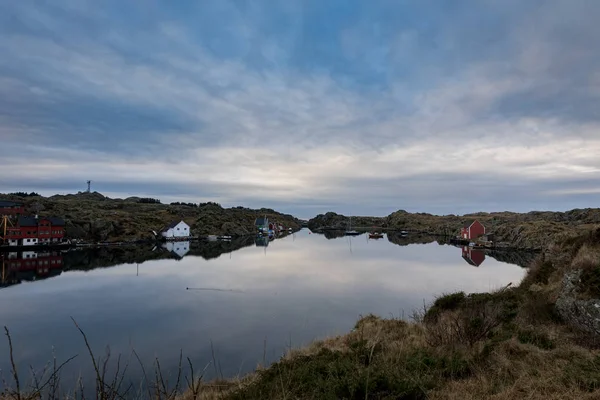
(29, 231)
(472, 256)
(472, 230)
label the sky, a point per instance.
(358, 107)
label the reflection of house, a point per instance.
(472, 256)
(472, 230)
(262, 241)
(29, 266)
(262, 224)
(176, 230)
(30, 231)
(180, 249)
(11, 208)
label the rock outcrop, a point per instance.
(583, 314)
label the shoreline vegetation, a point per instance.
(95, 218)
(539, 339)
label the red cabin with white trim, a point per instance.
(472, 230)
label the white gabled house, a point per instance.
(176, 230)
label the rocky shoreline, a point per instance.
(535, 230)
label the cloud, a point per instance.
(384, 107)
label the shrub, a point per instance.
(474, 319)
(590, 282)
(148, 200)
(536, 338)
(449, 301)
(24, 194)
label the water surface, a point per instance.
(287, 292)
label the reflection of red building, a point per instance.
(29, 266)
(11, 208)
(29, 231)
(472, 256)
(472, 230)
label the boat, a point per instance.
(351, 232)
(375, 235)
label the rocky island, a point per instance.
(534, 230)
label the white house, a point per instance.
(176, 230)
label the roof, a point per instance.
(27, 221)
(32, 221)
(471, 222)
(56, 221)
(470, 261)
(171, 225)
(7, 203)
(261, 221)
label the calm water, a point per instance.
(295, 290)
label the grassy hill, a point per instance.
(94, 217)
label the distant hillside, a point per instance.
(533, 230)
(95, 217)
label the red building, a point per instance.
(472, 256)
(472, 230)
(11, 208)
(30, 231)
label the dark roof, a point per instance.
(171, 225)
(27, 221)
(7, 203)
(261, 221)
(32, 221)
(471, 222)
(56, 221)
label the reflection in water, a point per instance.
(262, 241)
(472, 256)
(307, 288)
(179, 249)
(29, 266)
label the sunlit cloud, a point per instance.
(367, 113)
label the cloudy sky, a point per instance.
(361, 107)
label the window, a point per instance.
(177, 228)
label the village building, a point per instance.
(11, 208)
(31, 231)
(176, 230)
(472, 230)
(262, 224)
(473, 257)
